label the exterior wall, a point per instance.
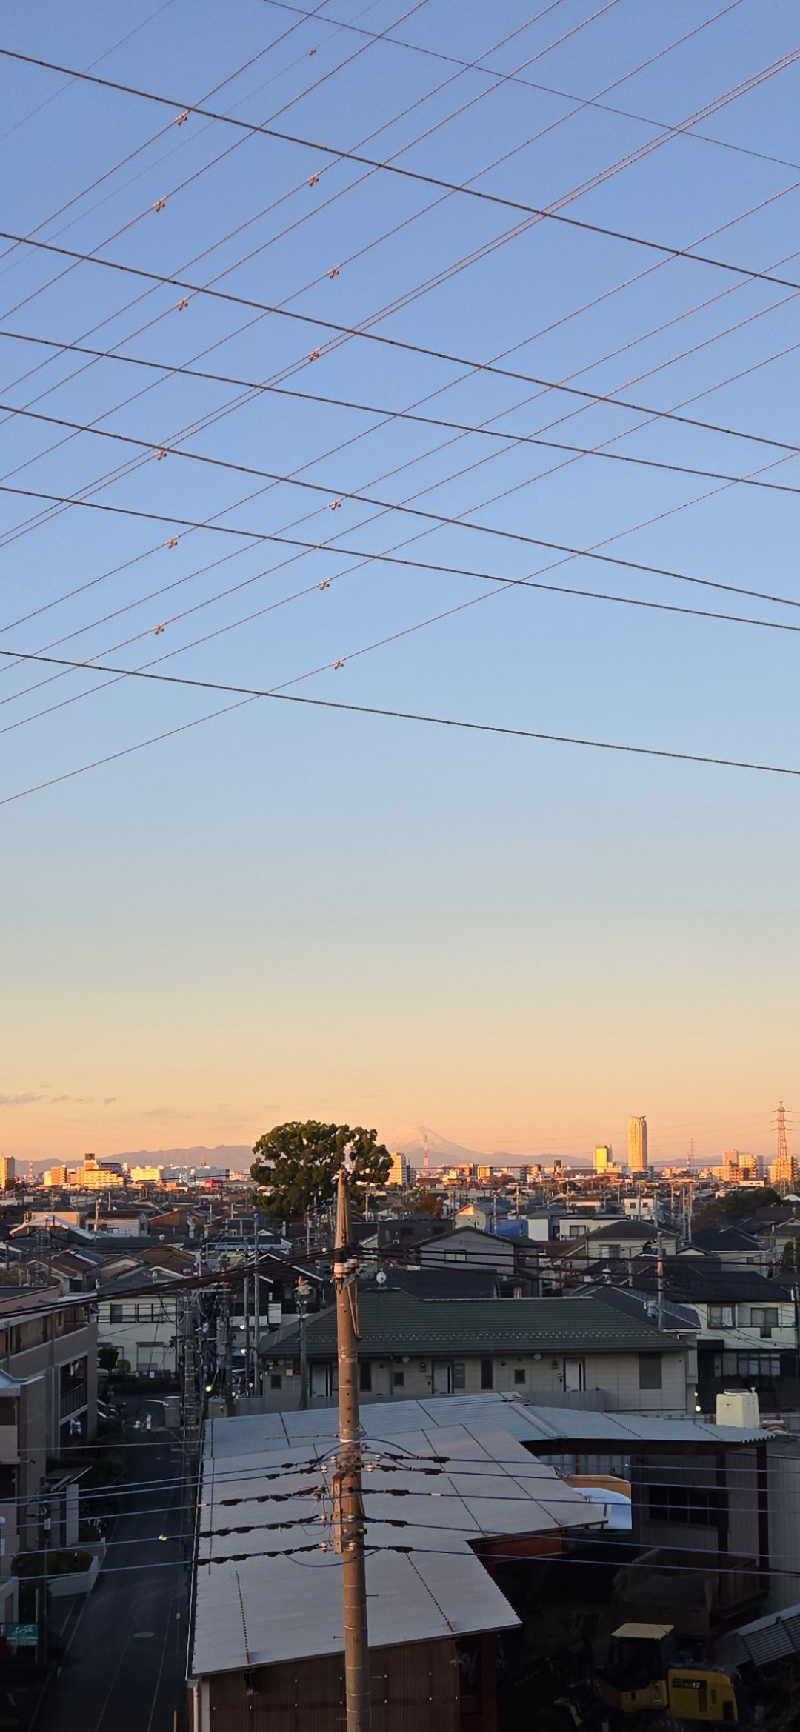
(415, 1685)
(46, 1345)
(145, 1332)
(744, 1335)
(545, 1377)
(469, 1250)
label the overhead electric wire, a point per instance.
(614, 168)
(139, 149)
(499, 416)
(106, 54)
(782, 63)
(248, 694)
(552, 90)
(227, 271)
(509, 437)
(287, 371)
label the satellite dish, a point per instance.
(381, 1277)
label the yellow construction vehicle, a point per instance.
(644, 1675)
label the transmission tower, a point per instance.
(782, 1146)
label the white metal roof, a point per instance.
(258, 1609)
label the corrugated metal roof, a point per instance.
(556, 1423)
(771, 1638)
(262, 1609)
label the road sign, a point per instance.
(21, 1635)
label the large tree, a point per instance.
(299, 1163)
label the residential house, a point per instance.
(731, 1246)
(620, 1240)
(551, 1349)
(747, 1328)
(469, 1248)
(267, 1637)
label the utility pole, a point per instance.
(660, 1279)
(350, 1538)
(256, 1310)
(246, 1308)
(303, 1292)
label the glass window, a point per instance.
(763, 1316)
(519, 1376)
(649, 1370)
(720, 1316)
(398, 1379)
(460, 1375)
(117, 1313)
(455, 1256)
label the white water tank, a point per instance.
(738, 1407)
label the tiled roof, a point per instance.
(392, 1322)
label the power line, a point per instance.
(510, 438)
(249, 694)
(586, 185)
(409, 347)
(780, 64)
(424, 565)
(552, 90)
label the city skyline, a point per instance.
(442, 1151)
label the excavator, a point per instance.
(648, 1684)
(644, 1674)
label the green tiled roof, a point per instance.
(392, 1322)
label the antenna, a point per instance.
(426, 1159)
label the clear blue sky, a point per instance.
(288, 912)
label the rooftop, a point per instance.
(394, 1322)
(256, 1605)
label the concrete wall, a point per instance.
(614, 1375)
(146, 1335)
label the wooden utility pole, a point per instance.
(660, 1279)
(350, 1501)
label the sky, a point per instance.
(291, 912)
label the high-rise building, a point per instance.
(637, 1144)
(603, 1157)
(8, 1171)
(398, 1170)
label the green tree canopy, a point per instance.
(300, 1163)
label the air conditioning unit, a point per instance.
(738, 1407)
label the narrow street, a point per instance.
(123, 1668)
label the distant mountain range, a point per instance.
(234, 1155)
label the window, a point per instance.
(398, 1379)
(275, 1380)
(694, 1505)
(576, 1232)
(117, 1313)
(460, 1376)
(612, 1252)
(765, 1318)
(365, 1376)
(721, 1316)
(649, 1370)
(760, 1367)
(487, 1374)
(519, 1376)
(455, 1256)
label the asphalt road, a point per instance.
(124, 1665)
